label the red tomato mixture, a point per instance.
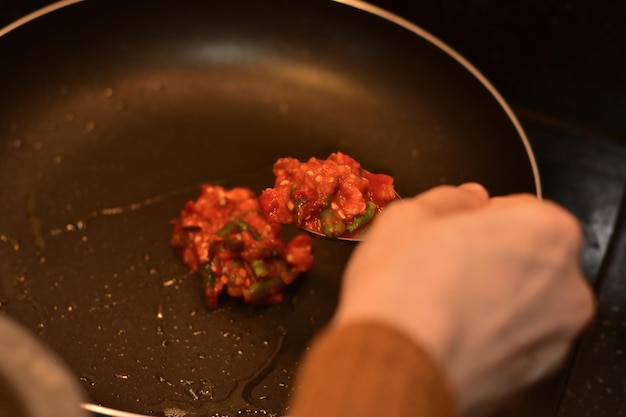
(226, 239)
(334, 197)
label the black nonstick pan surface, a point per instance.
(113, 112)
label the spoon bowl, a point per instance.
(358, 237)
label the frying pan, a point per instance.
(113, 113)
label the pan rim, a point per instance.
(99, 410)
(37, 14)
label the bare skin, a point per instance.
(491, 287)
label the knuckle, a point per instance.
(589, 304)
(582, 303)
(558, 221)
(566, 224)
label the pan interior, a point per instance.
(113, 113)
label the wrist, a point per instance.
(431, 332)
(369, 368)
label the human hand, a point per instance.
(492, 288)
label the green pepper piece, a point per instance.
(208, 277)
(227, 229)
(262, 289)
(332, 225)
(259, 268)
(244, 226)
(361, 220)
(297, 205)
(238, 224)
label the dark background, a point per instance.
(561, 65)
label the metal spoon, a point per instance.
(359, 237)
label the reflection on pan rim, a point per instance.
(99, 410)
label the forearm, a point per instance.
(369, 369)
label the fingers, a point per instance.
(476, 188)
(555, 221)
(447, 199)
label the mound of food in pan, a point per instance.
(225, 238)
(233, 239)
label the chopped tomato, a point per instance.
(334, 197)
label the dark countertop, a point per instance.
(561, 65)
